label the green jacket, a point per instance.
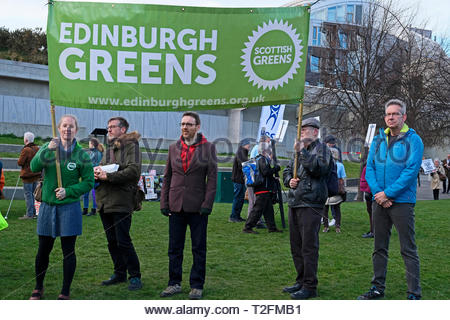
(77, 165)
(116, 193)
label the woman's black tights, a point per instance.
(69, 261)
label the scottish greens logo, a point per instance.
(272, 55)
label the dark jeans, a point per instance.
(337, 215)
(304, 226)
(444, 186)
(198, 224)
(238, 200)
(263, 206)
(401, 215)
(117, 228)
(69, 261)
(436, 194)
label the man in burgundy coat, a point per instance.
(187, 198)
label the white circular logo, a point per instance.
(272, 55)
(71, 166)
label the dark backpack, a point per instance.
(332, 180)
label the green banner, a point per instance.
(165, 58)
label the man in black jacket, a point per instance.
(307, 197)
(263, 192)
(237, 177)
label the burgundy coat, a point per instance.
(194, 189)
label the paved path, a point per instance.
(424, 192)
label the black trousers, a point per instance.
(117, 228)
(69, 261)
(436, 194)
(304, 226)
(198, 224)
(263, 206)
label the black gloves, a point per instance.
(205, 211)
(165, 212)
(276, 168)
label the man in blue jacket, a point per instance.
(392, 167)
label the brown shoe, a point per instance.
(326, 229)
(338, 229)
(63, 297)
(250, 231)
(25, 217)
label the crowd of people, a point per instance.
(111, 175)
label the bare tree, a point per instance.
(356, 69)
(421, 70)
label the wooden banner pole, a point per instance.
(58, 168)
(299, 130)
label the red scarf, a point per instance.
(187, 152)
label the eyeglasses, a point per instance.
(393, 114)
(187, 124)
(112, 127)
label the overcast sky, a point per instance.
(16, 14)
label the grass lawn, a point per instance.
(239, 266)
(351, 169)
(11, 178)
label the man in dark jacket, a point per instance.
(263, 192)
(115, 200)
(307, 197)
(30, 179)
(187, 198)
(237, 177)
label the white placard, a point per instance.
(370, 134)
(428, 166)
(271, 118)
(110, 168)
(318, 119)
(281, 132)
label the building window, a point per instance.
(340, 14)
(354, 14)
(358, 16)
(350, 13)
(331, 14)
(343, 40)
(319, 15)
(317, 36)
(314, 65)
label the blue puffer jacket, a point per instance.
(394, 169)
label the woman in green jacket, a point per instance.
(60, 210)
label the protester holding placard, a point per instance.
(436, 177)
(60, 210)
(307, 197)
(116, 200)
